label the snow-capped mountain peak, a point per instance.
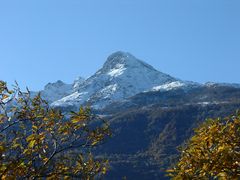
(56, 90)
(123, 58)
(119, 61)
(121, 76)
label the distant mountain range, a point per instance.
(121, 77)
(150, 113)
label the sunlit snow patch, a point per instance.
(69, 100)
(108, 91)
(169, 86)
(117, 71)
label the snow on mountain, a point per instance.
(121, 76)
(55, 91)
(214, 84)
(169, 86)
(176, 85)
(77, 83)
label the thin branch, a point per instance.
(9, 125)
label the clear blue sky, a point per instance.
(46, 40)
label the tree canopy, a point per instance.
(37, 141)
(213, 152)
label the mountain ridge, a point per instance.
(121, 76)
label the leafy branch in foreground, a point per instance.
(37, 141)
(213, 152)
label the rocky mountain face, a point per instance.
(55, 91)
(150, 113)
(121, 76)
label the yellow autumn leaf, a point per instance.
(94, 143)
(75, 120)
(45, 119)
(29, 138)
(220, 148)
(45, 159)
(5, 96)
(34, 127)
(31, 143)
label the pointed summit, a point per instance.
(119, 57)
(123, 59)
(123, 62)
